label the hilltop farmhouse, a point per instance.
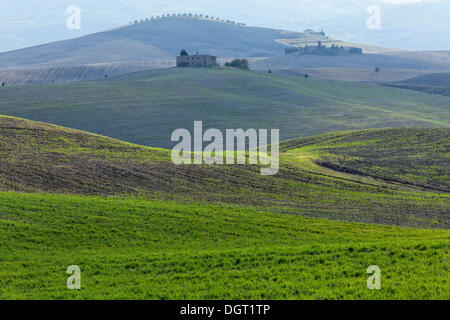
(197, 60)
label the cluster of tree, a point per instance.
(311, 31)
(320, 49)
(186, 15)
(238, 63)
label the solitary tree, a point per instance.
(377, 69)
(183, 53)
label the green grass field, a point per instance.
(142, 228)
(146, 107)
(140, 249)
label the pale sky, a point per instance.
(405, 24)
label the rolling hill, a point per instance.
(414, 156)
(37, 157)
(163, 38)
(155, 44)
(158, 39)
(134, 222)
(146, 107)
(87, 178)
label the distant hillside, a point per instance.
(384, 61)
(430, 56)
(37, 157)
(155, 43)
(157, 39)
(49, 75)
(435, 83)
(145, 107)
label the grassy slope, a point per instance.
(146, 107)
(34, 76)
(139, 249)
(43, 158)
(407, 155)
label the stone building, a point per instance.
(197, 60)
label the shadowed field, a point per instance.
(435, 83)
